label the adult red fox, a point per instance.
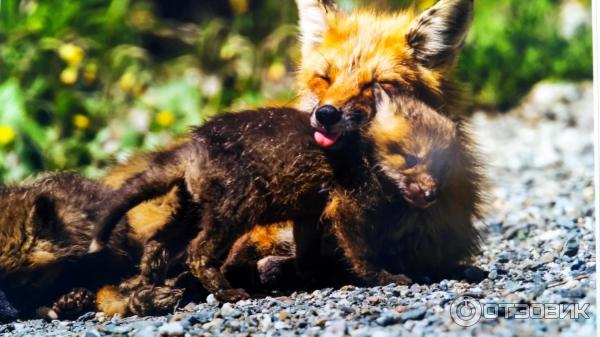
(343, 55)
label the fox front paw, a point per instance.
(73, 304)
(149, 300)
(231, 295)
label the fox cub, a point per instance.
(417, 220)
(239, 169)
(45, 231)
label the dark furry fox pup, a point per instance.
(237, 170)
(45, 232)
(424, 230)
(240, 169)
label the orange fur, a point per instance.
(345, 52)
(110, 301)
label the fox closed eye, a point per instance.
(323, 77)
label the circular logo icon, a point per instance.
(465, 311)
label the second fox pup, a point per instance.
(424, 230)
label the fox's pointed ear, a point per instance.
(313, 21)
(43, 214)
(437, 35)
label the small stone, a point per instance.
(578, 264)
(502, 258)
(347, 288)
(212, 300)
(547, 258)
(387, 318)
(565, 222)
(401, 308)
(279, 325)
(535, 291)
(92, 333)
(415, 314)
(283, 315)
(190, 307)
(213, 324)
(266, 322)
(574, 293)
(335, 329)
(171, 329)
(147, 331)
(551, 235)
(321, 322)
(178, 316)
(100, 317)
(571, 247)
(373, 299)
(227, 310)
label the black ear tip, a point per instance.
(45, 208)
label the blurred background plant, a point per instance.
(85, 83)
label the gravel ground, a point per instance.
(539, 248)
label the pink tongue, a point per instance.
(325, 140)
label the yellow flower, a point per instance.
(276, 71)
(7, 134)
(239, 6)
(165, 119)
(89, 73)
(72, 54)
(127, 81)
(81, 121)
(69, 75)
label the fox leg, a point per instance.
(307, 236)
(240, 267)
(169, 240)
(347, 224)
(203, 253)
(154, 264)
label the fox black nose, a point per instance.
(429, 196)
(328, 115)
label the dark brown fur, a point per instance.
(239, 169)
(424, 240)
(45, 231)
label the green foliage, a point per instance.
(84, 83)
(515, 44)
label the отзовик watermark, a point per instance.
(466, 311)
